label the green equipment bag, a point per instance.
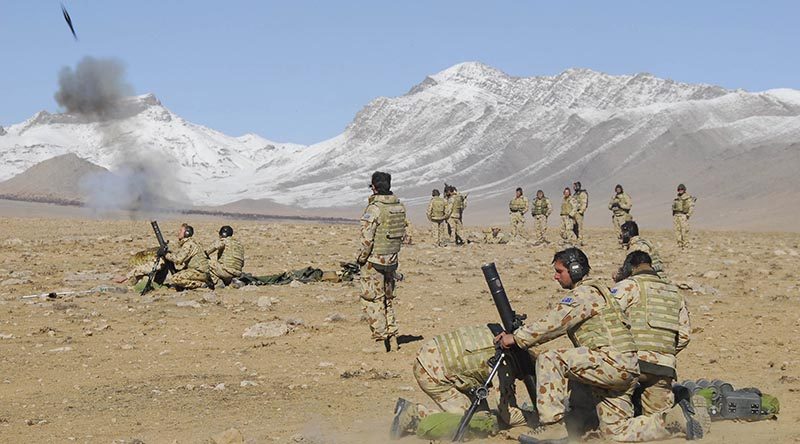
(444, 425)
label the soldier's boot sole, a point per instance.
(701, 415)
(404, 419)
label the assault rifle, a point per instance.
(162, 250)
(517, 362)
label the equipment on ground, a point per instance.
(162, 250)
(725, 402)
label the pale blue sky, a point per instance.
(298, 71)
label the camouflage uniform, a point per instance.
(541, 211)
(382, 231)
(604, 358)
(191, 264)
(141, 265)
(569, 208)
(620, 206)
(489, 237)
(456, 204)
(582, 198)
(682, 208)
(228, 262)
(660, 326)
(437, 214)
(518, 207)
(450, 365)
(637, 243)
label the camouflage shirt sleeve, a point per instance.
(571, 310)
(448, 208)
(684, 327)
(218, 245)
(181, 257)
(369, 223)
(527, 204)
(690, 204)
(626, 292)
(625, 202)
(429, 211)
(549, 208)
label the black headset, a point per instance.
(575, 268)
(188, 231)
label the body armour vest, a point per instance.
(609, 328)
(680, 205)
(654, 320)
(391, 225)
(464, 353)
(517, 205)
(458, 203)
(540, 207)
(639, 244)
(198, 260)
(437, 208)
(567, 207)
(232, 258)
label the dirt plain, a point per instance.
(119, 367)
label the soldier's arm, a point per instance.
(369, 223)
(569, 312)
(430, 210)
(626, 292)
(625, 202)
(691, 207)
(218, 245)
(448, 209)
(611, 203)
(549, 207)
(180, 257)
(684, 327)
(573, 208)
(527, 206)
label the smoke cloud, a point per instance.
(142, 178)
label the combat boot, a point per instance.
(555, 433)
(684, 418)
(405, 419)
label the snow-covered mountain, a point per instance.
(486, 132)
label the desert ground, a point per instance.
(175, 367)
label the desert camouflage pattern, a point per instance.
(682, 209)
(191, 264)
(582, 197)
(620, 206)
(541, 209)
(377, 294)
(455, 207)
(228, 261)
(369, 226)
(494, 236)
(437, 215)
(141, 263)
(568, 213)
(638, 243)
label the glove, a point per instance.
(162, 251)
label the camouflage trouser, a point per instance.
(540, 227)
(518, 225)
(681, 224)
(189, 279)
(217, 273)
(618, 220)
(567, 235)
(439, 232)
(612, 377)
(579, 226)
(456, 228)
(656, 393)
(377, 293)
(430, 375)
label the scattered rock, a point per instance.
(15, 281)
(13, 242)
(230, 436)
(60, 349)
(713, 274)
(219, 387)
(271, 329)
(192, 304)
(6, 336)
(248, 384)
(325, 364)
(335, 317)
(369, 374)
(35, 421)
(210, 298)
(779, 253)
(264, 302)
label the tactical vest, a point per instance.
(540, 207)
(654, 320)
(458, 203)
(233, 255)
(680, 205)
(636, 245)
(465, 352)
(618, 211)
(582, 197)
(437, 208)
(198, 260)
(391, 226)
(566, 207)
(517, 205)
(609, 328)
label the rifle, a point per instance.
(518, 361)
(162, 244)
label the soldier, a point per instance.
(437, 216)
(682, 208)
(494, 236)
(456, 204)
(190, 262)
(660, 327)
(382, 230)
(229, 261)
(447, 368)
(569, 208)
(604, 357)
(518, 207)
(141, 264)
(541, 211)
(620, 206)
(582, 197)
(633, 242)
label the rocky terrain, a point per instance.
(177, 367)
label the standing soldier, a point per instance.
(582, 198)
(438, 217)
(541, 211)
(620, 206)
(518, 207)
(569, 208)
(456, 204)
(190, 261)
(228, 263)
(603, 357)
(382, 229)
(682, 208)
(660, 326)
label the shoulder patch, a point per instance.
(567, 300)
(614, 290)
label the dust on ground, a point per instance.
(174, 367)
